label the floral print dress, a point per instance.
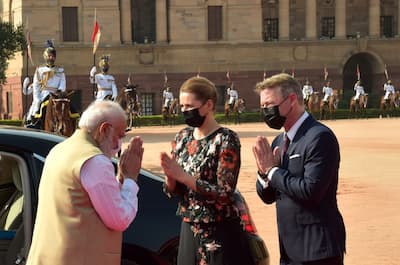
(215, 163)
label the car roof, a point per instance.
(40, 142)
(31, 140)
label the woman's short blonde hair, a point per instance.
(201, 87)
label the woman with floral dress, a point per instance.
(203, 172)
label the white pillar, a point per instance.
(340, 19)
(374, 18)
(398, 17)
(161, 21)
(284, 21)
(126, 24)
(311, 19)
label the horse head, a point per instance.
(58, 118)
(130, 92)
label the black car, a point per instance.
(152, 238)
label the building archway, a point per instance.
(371, 76)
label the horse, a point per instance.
(238, 108)
(58, 118)
(130, 103)
(389, 105)
(313, 103)
(329, 107)
(170, 112)
(358, 108)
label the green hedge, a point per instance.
(244, 117)
(11, 122)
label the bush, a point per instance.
(11, 122)
(155, 120)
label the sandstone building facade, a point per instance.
(182, 38)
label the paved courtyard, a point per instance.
(369, 184)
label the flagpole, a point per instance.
(27, 67)
(94, 83)
(27, 74)
(94, 61)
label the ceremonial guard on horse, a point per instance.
(48, 78)
(359, 90)
(233, 96)
(106, 88)
(389, 90)
(168, 97)
(327, 90)
(307, 92)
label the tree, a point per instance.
(12, 40)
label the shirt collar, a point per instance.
(293, 130)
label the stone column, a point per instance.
(340, 19)
(126, 24)
(161, 21)
(311, 19)
(374, 18)
(398, 18)
(284, 20)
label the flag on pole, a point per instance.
(165, 78)
(130, 79)
(96, 34)
(325, 73)
(386, 73)
(358, 72)
(29, 47)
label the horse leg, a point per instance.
(321, 113)
(130, 120)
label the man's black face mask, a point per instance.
(272, 117)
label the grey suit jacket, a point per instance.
(304, 189)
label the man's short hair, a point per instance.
(285, 83)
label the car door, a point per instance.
(15, 211)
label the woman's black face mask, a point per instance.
(193, 118)
(272, 117)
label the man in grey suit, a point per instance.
(301, 177)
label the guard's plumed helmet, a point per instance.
(104, 63)
(49, 50)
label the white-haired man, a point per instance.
(80, 198)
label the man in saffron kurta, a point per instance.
(83, 207)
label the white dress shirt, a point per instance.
(116, 204)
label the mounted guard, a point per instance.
(389, 90)
(106, 88)
(168, 97)
(327, 90)
(233, 96)
(307, 92)
(48, 78)
(359, 90)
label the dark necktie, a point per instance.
(285, 145)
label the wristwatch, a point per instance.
(264, 176)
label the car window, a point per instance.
(11, 194)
